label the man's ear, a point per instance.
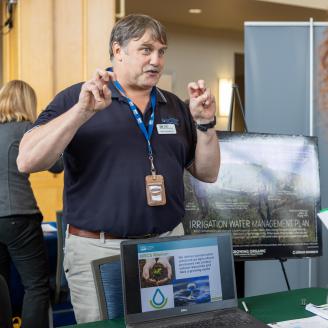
(117, 51)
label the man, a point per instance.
(123, 162)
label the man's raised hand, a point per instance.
(95, 94)
(202, 102)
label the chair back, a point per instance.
(61, 286)
(5, 305)
(108, 282)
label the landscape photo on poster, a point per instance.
(267, 194)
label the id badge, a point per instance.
(155, 190)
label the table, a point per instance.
(284, 305)
(267, 308)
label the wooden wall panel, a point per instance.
(47, 189)
(35, 47)
(68, 39)
(9, 47)
(97, 36)
(56, 43)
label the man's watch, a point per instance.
(205, 127)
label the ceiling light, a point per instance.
(195, 11)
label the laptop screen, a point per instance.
(172, 276)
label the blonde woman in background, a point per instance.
(21, 237)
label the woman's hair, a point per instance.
(17, 102)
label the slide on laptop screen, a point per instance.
(177, 276)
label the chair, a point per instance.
(61, 285)
(62, 311)
(5, 306)
(108, 281)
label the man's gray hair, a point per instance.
(134, 26)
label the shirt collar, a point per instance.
(160, 98)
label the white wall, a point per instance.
(196, 53)
(318, 4)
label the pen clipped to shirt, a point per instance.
(244, 306)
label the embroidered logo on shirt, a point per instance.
(171, 120)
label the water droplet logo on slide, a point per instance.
(159, 300)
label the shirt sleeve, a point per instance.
(62, 102)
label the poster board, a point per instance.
(267, 195)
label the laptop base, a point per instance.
(226, 318)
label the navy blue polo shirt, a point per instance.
(107, 161)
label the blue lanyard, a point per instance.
(137, 116)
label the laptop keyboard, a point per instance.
(229, 319)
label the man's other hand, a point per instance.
(202, 102)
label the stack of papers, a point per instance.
(318, 321)
(323, 216)
(313, 322)
(320, 310)
(46, 227)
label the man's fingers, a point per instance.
(203, 98)
(212, 99)
(101, 80)
(193, 89)
(92, 88)
(106, 92)
(201, 85)
(104, 76)
(101, 74)
(95, 94)
(196, 89)
(100, 92)
(192, 85)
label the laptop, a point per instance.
(185, 281)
